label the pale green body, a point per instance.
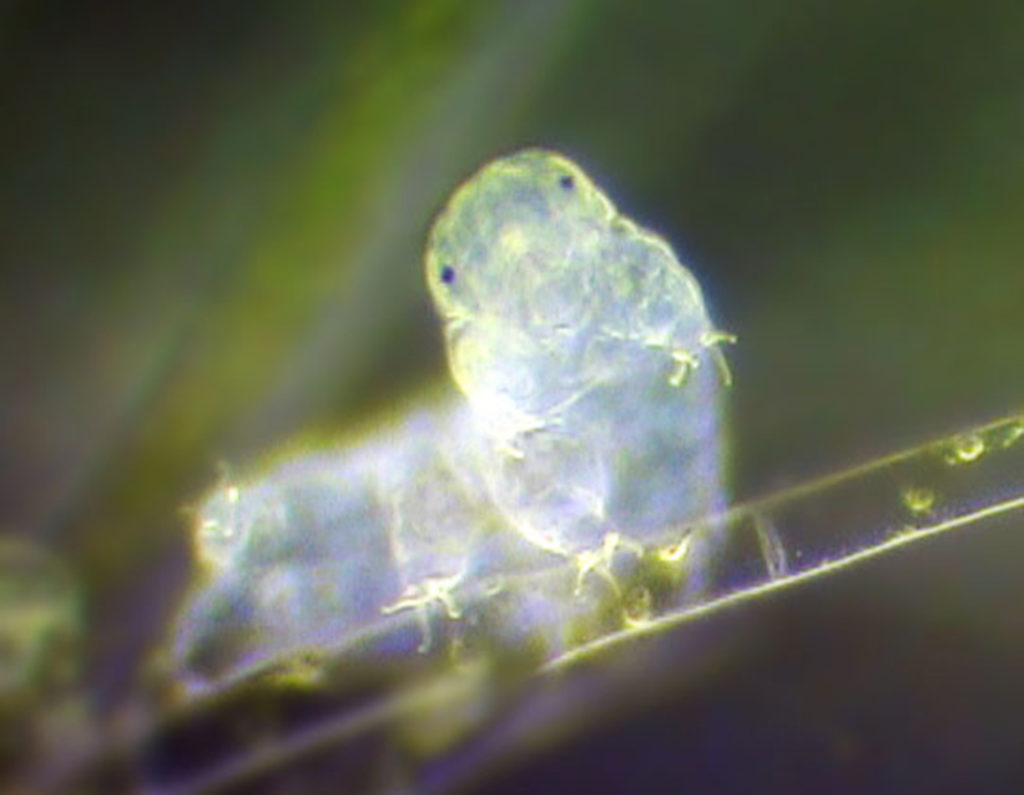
(581, 344)
(592, 410)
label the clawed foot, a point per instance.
(420, 595)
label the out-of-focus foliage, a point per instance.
(41, 633)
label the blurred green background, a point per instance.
(211, 219)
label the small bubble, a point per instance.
(966, 449)
(567, 182)
(919, 500)
(447, 274)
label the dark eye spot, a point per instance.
(566, 182)
(447, 274)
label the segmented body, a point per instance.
(582, 348)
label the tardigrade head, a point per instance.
(505, 239)
(545, 290)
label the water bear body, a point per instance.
(583, 346)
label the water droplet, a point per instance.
(966, 449)
(919, 500)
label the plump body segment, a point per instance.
(580, 341)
